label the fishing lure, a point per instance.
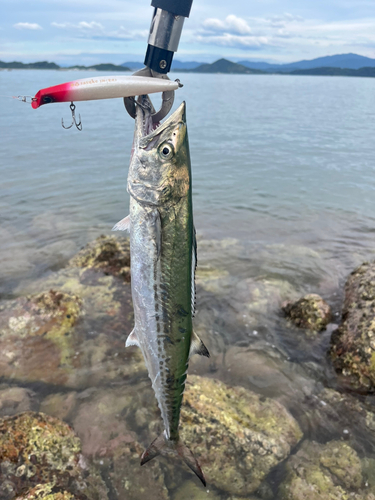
(102, 87)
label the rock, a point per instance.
(192, 491)
(15, 400)
(47, 492)
(36, 338)
(110, 254)
(103, 422)
(38, 452)
(73, 335)
(236, 435)
(310, 312)
(331, 415)
(60, 405)
(353, 343)
(324, 472)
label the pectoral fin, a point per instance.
(197, 346)
(123, 224)
(132, 340)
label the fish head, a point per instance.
(159, 172)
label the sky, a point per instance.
(92, 31)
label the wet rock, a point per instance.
(60, 405)
(331, 415)
(36, 336)
(353, 343)
(324, 472)
(47, 492)
(15, 400)
(38, 452)
(105, 421)
(310, 312)
(260, 368)
(74, 334)
(236, 435)
(110, 254)
(191, 490)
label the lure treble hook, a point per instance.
(74, 122)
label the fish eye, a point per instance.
(166, 151)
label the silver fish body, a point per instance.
(163, 261)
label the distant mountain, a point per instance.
(102, 67)
(48, 65)
(185, 65)
(348, 61)
(224, 66)
(176, 64)
(36, 65)
(370, 72)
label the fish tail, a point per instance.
(167, 447)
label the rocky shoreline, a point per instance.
(77, 409)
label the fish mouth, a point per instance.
(146, 129)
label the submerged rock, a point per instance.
(15, 400)
(236, 435)
(107, 434)
(71, 335)
(110, 254)
(324, 472)
(41, 454)
(353, 343)
(310, 312)
(36, 335)
(333, 415)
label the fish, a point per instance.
(163, 251)
(102, 87)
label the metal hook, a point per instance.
(78, 125)
(167, 97)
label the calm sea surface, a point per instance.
(283, 192)
(276, 160)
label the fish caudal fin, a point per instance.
(167, 447)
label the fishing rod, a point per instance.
(163, 40)
(165, 33)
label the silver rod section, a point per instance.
(165, 30)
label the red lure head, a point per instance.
(58, 93)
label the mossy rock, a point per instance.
(310, 312)
(353, 343)
(323, 472)
(42, 455)
(72, 335)
(109, 254)
(236, 435)
(37, 339)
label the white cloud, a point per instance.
(27, 26)
(82, 26)
(231, 24)
(228, 40)
(96, 30)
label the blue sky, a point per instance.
(92, 31)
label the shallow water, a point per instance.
(283, 192)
